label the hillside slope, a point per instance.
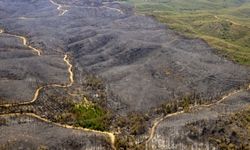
(225, 25)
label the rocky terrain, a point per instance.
(50, 49)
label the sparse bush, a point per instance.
(169, 108)
(94, 82)
(126, 142)
(186, 103)
(227, 133)
(137, 124)
(3, 121)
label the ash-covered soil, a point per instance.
(22, 71)
(143, 63)
(26, 132)
(175, 132)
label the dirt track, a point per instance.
(29, 130)
(142, 63)
(173, 126)
(37, 91)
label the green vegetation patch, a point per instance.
(89, 115)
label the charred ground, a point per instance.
(137, 64)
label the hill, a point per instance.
(224, 24)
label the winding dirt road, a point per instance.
(38, 51)
(109, 134)
(66, 59)
(115, 9)
(62, 9)
(24, 40)
(59, 8)
(159, 120)
(37, 92)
